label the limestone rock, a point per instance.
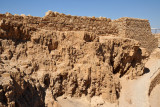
(51, 14)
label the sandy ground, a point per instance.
(83, 102)
(73, 102)
(155, 97)
(135, 92)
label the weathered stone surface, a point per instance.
(41, 59)
(138, 29)
(68, 63)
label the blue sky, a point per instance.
(145, 9)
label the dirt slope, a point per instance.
(135, 92)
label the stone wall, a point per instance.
(158, 37)
(138, 29)
(133, 27)
(62, 22)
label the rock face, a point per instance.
(39, 65)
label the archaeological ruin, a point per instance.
(50, 60)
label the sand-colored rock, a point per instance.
(71, 64)
(44, 59)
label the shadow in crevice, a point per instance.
(29, 95)
(145, 71)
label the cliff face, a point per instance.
(38, 64)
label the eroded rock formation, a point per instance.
(41, 61)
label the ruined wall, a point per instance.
(133, 27)
(158, 37)
(138, 29)
(54, 55)
(62, 22)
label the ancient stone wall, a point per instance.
(133, 27)
(158, 37)
(138, 29)
(62, 22)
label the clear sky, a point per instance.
(145, 9)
